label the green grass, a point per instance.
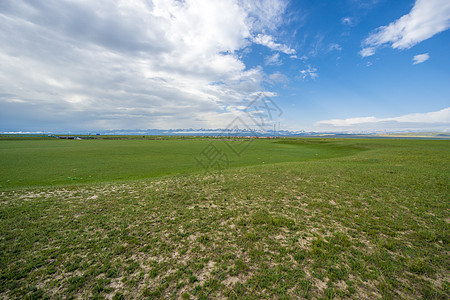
(30, 163)
(365, 219)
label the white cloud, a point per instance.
(264, 14)
(365, 4)
(310, 72)
(273, 60)
(128, 64)
(437, 120)
(316, 45)
(336, 47)
(268, 41)
(420, 58)
(348, 122)
(440, 116)
(303, 57)
(347, 21)
(278, 77)
(426, 18)
(369, 51)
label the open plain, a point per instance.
(287, 218)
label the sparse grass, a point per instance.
(374, 224)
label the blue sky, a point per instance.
(343, 65)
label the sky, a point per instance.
(336, 65)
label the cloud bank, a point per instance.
(129, 64)
(426, 19)
(437, 120)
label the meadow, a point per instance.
(287, 218)
(49, 161)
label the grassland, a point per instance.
(321, 218)
(30, 163)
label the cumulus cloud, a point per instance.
(426, 19)
(128, 64)
(420, 58)
(438, 120)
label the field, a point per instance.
(29, 163)
(288, 218)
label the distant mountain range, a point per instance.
(244, 133)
